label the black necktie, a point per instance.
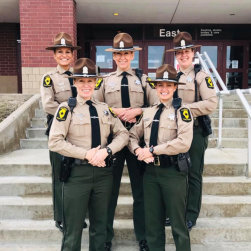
(125, 91)
(155, 126)
(73, 88)
(96, 139)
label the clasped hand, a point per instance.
(127, 114)
(144, 154)
(97, 156)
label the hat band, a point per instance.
(83, 75)
(183, 47)
(124, 48)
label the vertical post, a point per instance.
(220, 121)
(249, 149)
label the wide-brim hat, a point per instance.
(123, 42)
(63, 39)
(85, 68)
(165, 73)
(181, 41)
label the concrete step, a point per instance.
(39, 113)
(34, 143)
(127, 246)
(230, 113)
(37, 186)
(231, 132)
(38, 123)
(235, 98)
(230, 122)
(32, 133)
(16, 207)
(35, 162)
(207, 231)
(228, 142)
(232, 105)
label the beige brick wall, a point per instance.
(32, 77)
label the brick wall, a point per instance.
(8, 49)
(40, 21)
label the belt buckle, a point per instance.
(156, 161)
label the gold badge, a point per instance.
(152, 85)
(185, 115)
(209, 82)
(47, 81)
(62, 114)
(98, 83)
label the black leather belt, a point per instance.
(127, 125)
(81, 162)
(164, 160)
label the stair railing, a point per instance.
(220, 94)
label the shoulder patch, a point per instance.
(152, 85)
(62, 114)
(209, 82)
(141, 116)
(47, 81)
(112, 113)
(98, 84)
(185, 115)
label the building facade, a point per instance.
(23, 58)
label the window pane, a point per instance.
(212, 53)
(234, 80)
(155, 56)
(135, 62)
(234, 57)
(103, 58)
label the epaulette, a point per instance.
(98, 83)
(112, 112)
(47, 82)
(152, 85)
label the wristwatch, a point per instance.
(151, 149)
(109, 151)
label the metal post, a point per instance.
(249, 149)
(220, 121)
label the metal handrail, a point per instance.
(225, 91)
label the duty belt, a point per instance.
(164, 160)
(127, 125)
(81, 162)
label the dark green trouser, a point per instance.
(88, 187)
(165, 192)
(197, 152)
(55, 159)
(136, 178)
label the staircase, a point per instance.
(225, 220)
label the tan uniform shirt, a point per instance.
(110, 90)
(205, 90)
(55, 92)
(173, 136)
(70, 134)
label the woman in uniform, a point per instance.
(55, 89)
(199, 95)
(126, 92)
(80, 131)
(167, 131)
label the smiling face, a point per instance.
(85, 87)
(185, 58)
(123, 59)
(165, 90)
(63, 57)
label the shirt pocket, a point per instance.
(112, 95)
(187, 92)
(62, 86)
(105, 126)
(81, 125)
(167, 130)
(136, 95)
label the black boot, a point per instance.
(143, 246)
(59, 225)
(190, 225)
(108, 246)
(167, 222)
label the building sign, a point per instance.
(168, 33)
(210, 32)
